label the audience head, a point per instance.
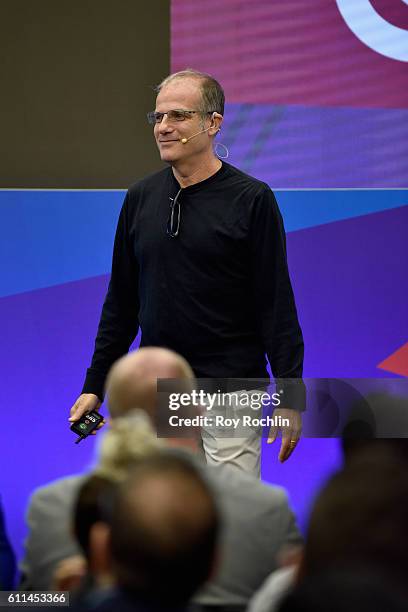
(133, 383)
(360, 517)
(374, 422)
(344, 591)
(132, 380)
(88, 509)
(163, 529)
(128, 441)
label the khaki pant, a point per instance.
(240, 447)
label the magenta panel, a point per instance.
(294, 52)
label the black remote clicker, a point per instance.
(84, 426)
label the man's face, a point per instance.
(181, 94)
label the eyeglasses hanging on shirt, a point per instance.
(173, 223)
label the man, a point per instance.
(256, 519)
(199, 261)
(159, 539)
(50, 517)
(359, 517)
(357, 530)
(257, 522)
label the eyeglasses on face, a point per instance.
(174, 115)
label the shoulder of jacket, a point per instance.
(229, 477)
(56, 488)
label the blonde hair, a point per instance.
(129, 439)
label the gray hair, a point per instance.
(212, 94)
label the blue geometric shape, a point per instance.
(48, 238)
(303, 209)
(53, 237)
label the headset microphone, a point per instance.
(185, 140)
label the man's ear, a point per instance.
(99, 549)
(216, 121)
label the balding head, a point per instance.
(132, 381)
(164, 526)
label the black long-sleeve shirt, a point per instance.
(219, 293)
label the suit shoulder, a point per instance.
(62, 487)
(271, 493)
(227, 477)
(277, 494)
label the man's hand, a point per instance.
(290, 433)
(84, 404)
(69, 573)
